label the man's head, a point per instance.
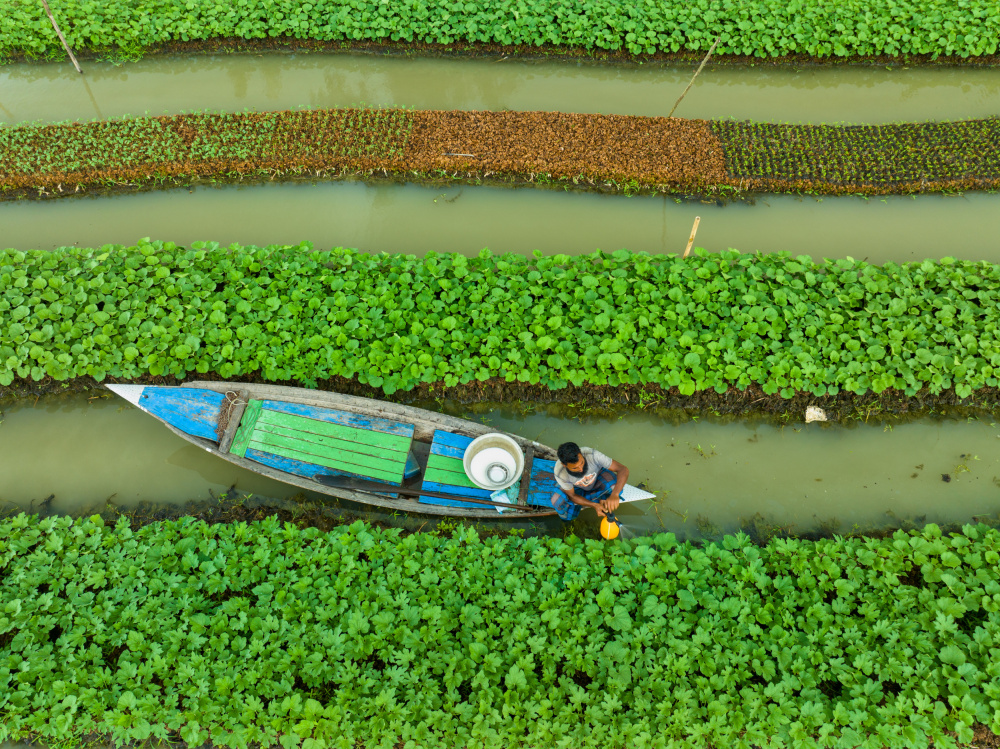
(570, 456)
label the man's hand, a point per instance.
(612, 502)
(600, 509)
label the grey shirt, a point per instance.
(595, 461)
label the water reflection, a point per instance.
(413, 220)
(710, 476)
(233, 83)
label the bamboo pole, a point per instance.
(694, 230)
(62, 38)
(710, 51)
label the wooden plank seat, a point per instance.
(306, 440)
(446, 474)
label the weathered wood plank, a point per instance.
(194, 412)
(447, 451)
(326, 447)
(236, 409)
(292, 448)
(370, 423)
(450, 444)
(247, 424)
(529, 458)
(447, 471)
(332, 443)
(304, 469)
(448, 477)
(431, 486)
(333, 449)
(361, 437)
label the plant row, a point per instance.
(717, 322)
(863, 158)
(762, 28)
(580, 151)
(192, 145)
(262, 635)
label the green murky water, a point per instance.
(413, 219)
(708, 476)
(54, 91)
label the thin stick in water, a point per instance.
(62, 38)
(710, 51)
(694, 230)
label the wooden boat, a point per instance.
(294, 435)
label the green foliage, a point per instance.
(265, 634)
(392, 321)
(956, 155)
(763, 28)
(180, 144)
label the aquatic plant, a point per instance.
(628, 154)
(710, 321)
(263, 634)
(862, 159)
(762, 28)
(200, 144)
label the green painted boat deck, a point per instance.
(324, 443)
(442, 469)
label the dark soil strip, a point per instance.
(616, 153)
(889, 406)
(478, 50)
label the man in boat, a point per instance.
(586, 478)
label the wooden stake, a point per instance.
(62, 38)
(694, 230)
(710, 51)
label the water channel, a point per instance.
(84, 449)
(157, 85)
(709, 475)
(411, 219)
(415, 219)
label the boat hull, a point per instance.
(198, 412)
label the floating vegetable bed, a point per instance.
(868, 159)
(721, 322)
(262, 635)
(758, 28)
(572, 151)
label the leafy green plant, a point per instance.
(710, 321)
(761, 28)
(862, 159)
(271, 635)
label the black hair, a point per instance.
(568, 452)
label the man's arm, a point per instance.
(621, 471)
(574, 497)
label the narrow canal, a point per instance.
(709, 475)
(416, 219)
(158, 85)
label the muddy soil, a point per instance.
(280, 45)
(845, 407)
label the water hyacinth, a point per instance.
(710, 321)
(270, 635)
(761, 28)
